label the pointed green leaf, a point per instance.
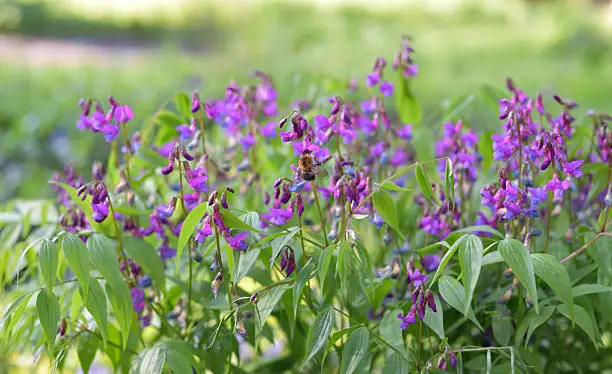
(395, 364)
(517, 257)
(88, 345)
(103, 256)
(408, 108)
(582, 319)
(245, 263)
(424, 183)
(189, 226)
(95, 302)
(549, 269)
(153, 361)
(355, 350)
(449, 182)
(279, 243)
(502, 329)
(470, 261)
(303, 276)
(324, 264)
(48, 309)
(385, 207)
(394, 187)
(234, 222)
(13, 314)
(531, 322)
(446, 258)
(588, 289)
(480, 228)
(147, 257)
(600, 252)
(121, 302)
(392, 334)
(454, 294)
(78, 259)
(435, 320)
(48, 261)
(183, 103)
(318, 334)
(267, 302)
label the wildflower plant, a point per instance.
(198, 246)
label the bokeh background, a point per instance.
(54, 52)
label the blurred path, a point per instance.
(27, 51)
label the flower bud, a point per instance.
(253, 298)
(230, 189)
(224, 201)
(216, 284)
(195, 102)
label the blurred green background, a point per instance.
(52, 53)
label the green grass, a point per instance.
(550, 48)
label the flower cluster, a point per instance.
(94, 119)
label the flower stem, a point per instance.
(316, 196)
(302, 238)
(548, 214)
(608, 192)
(419, 341)
(128, 149)
(189, 286)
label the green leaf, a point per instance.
(582, 319)
(103, 256)
(492, 258)
(48, 309)
(88, 345)
(279, 243)
(385, 207)
(480, 228)
(267, 302)
(517, 257)
(13, 314)
(324, 264)
(600, 252)
(304, 276)
(446, 258)
(470, 261)
(245, 263)
(454, 294)
(394, 187)
(408, 109)
(318, 334)
(354, 350)
(168, 119)
(179, 356)
(153, 360)
(147, 257)
(502, 329)
(189, 225)
(78, 259)
(95, 302)
(449, 182)
(531, 322)
(549, 269)
(392, 334)
(121, 301)
(183, 104)
(395, 364)
(234, 222)
(48, 261)
(424, 183)
(435, 320)
(588, 289)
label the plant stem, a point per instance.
(316, 196)
(548, 214)
(189, 286)
(609, 191)
(302, 238)
(419, 341)
(202, 130)
(585, 246)
(128, 149)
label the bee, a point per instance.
(309, 167)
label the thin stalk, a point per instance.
(548, 214)
(128, 149)
(202, 129)
(585, 246)
(419, 341)
(316, 196)
(189, 287)
(302, 238)
(120, 251)
(607, 214)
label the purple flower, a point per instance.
(165, 210)
(247, 141)
(369, 106)
(199, 183)
(186, 131)
(166, 252)
(100, 211)
(377, 220)
(373, 79)
(278, 216)
(408, 320)
(557, 186)
(322, 122)
(237, 241)
(573, 168)
(430, 262)
(138, 296)
(268, 130)
(416, 277)
(110, 132)
(386, 88)
(123, 113)
(205, 231)
(405, 132)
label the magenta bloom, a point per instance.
(386, 88)
(237, 241)
(407, 320)
(100, 211)
(573, 168)
(558, 186)
(205, 231)
(123, 113)
(373, 79)
(138, 296)
(405, 132)
(430, 262)
(268, 130)
(278, 216)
